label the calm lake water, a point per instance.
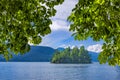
(48, 71)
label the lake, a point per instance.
(48, 71)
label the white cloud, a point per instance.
(60, 35)
(64, 10)
(54, 39)
(71, 46)
(59, 25)
(95, 48)
(59, 21)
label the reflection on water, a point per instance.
(72, 65)
(47, 71)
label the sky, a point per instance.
(61, 36)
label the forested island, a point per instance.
(74, 55)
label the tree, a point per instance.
(56, 57)
(74, 55)
(84, 56)
(23, 22)
(99, 19)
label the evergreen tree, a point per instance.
(56, 57)
(74, 55)
(84, 56)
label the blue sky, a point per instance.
(61, 36)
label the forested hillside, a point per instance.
(36, 54)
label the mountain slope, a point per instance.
(41, 54)
(94, 56)
(36, 54)
(60, 49)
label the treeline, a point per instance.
(74, 55)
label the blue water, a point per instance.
(48, 71)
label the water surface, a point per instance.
(48, 71)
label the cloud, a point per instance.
(71, 46)
(58, 24)
(59, 21)
(95, 48)
(64, 10)
(55, 38)
(60, 35)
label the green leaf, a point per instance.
(98, 19)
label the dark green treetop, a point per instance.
(99, 19)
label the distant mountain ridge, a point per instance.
(36, 54)
(41, 54)
(60, 49)
(94, 56)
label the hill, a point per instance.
(41, 54)
(36, 54)
(60, 49)
(94, 56)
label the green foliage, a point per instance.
(99, 19)
(74, 55)
(23, 22)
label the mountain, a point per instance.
(60, 49)
(41, 54)
(94, 56)
(36, 54)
